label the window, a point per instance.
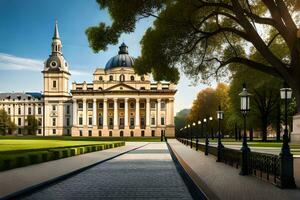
(143, 88)
(99, 133)
(100, 78)
(162, 105)
(153, 121)
(53, 107)
(121, 122)
(100, 121)
(122, 77)
(143, 133)
(131, 105)
(162, 121)
(121, 105)
(131, 134)
(142, 121)
(121, 133)
(90, 105)
(29, 111)
(39, 131)
(68, 109)
(68, 132)
(142, 105)
(142, 78)
(80, 121)
(40, 121)
(54, 84)
(110, 105)
(19, 111)
(53, 131)
(68, 121)
(80, 132)
(90, 133)
(111, 78)
(152, 104)
(53, 121)
(39, 110)
(110, 133)
(80, 105)
(9, 111)
(90, 121)
(100, 88)
(111, 121)
(131, 121)
(100, 105)
(153, 133)
(132, 78)
(19, 121)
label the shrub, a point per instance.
(56, 154)
(21, 161)
(35, 158)
(93, 148)
(73, 151)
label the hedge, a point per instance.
(21, 159)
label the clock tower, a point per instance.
(57, 98)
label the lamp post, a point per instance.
(211, 128)
(220, 115)
(197, 136)
(245, 108)
(193, 126)
(190, 130)
(286, 158)
(206, 138)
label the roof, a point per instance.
(19, 95)
(121, 60)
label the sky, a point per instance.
(25, 43)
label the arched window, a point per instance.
(100, 78)
(122, 77)
(111, 78)
(121, 133)
(100, 88)
(132, 78)
(142, 78)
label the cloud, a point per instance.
(11, 62)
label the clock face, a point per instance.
(53, 64)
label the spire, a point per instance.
(123, 49)
(56, 34)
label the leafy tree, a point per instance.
(6, 125)
(32, 125)
(194, 34)
(181, 119)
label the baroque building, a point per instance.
(118, 102)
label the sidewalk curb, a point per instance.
(195, 191)
(201, 185)
(62, 177)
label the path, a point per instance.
(145, 173)
(221, 181)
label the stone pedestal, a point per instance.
(295, 136)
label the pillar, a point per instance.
(137, 112)
(158, 112)
(74, 112)
(115, 113)
(105, 113)
(147, 112)
(84, 112)
(126, 113)
(94, 112)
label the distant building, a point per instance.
(117, 103)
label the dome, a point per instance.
(120, 60)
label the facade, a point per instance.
(117, 103)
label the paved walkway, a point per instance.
(19, 179)
(221, 181)
(145, 173)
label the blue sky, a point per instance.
(25, 36)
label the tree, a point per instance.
(6, 125)
(181, 119)
(32, 125)
(193, 34)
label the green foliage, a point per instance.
(6, 125)
(32, 125)
(181, 119)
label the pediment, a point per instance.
(121, 87)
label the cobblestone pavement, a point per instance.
(146, 173)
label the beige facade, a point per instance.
(117, 103)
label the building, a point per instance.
(117, 103)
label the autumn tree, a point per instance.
(193, 34)
(32, 125)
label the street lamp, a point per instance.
(220, 115)
(206, 138)
(211, 128)
(245, 108)
(190, 130)
(197, 136)
(286, 158)
(193, 125)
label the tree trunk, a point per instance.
(251, 134)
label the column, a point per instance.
(158, 112)
(105, 113)
(126, 113)
(84, 112)
(147, 112)
(115, 113)
(94, 112)
(171, 109)
(74, 112)
(137, 112)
